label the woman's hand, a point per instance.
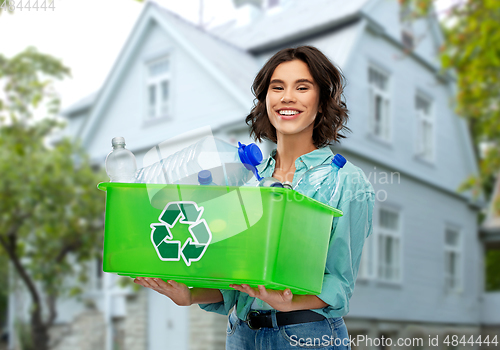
(178, 292)
(280, 300)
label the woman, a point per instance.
(299, 107)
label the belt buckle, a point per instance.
(249, 321)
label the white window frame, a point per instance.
(367, 268)
(161, 109)
(383, 234)
(425, 138)
(453, 283)
(380, 129)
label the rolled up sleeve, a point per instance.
(222, 307)
(344, 253)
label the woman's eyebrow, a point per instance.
(279, 81)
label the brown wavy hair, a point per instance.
(328, 124)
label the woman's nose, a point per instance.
(288, 96)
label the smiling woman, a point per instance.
(299, 107)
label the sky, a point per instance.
(88, 35)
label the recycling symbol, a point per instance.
(181, 213)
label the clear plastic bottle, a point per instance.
(229, 165)
(322, 179)
(120, 162)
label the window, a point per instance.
(366, 266)
(425, 128)
(388, 245)
(158, 89)
(379, 103)
(452, 259)
(405, 18)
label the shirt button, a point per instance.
(311, 167)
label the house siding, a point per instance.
(421, 295)
(407, 76)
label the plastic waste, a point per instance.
(270, 182)
(324, 177)
(120, 162)
(205, 178)
(229, 165)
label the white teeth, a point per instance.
(288, 112)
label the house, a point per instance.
(421, 275)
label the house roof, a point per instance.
(303, 19)
(80, 105)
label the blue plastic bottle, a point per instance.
(322, 181)
(270, 182)
(205, 178)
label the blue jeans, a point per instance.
(329, 334)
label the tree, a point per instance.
(472, 50)
(51, 211)
(3, 293)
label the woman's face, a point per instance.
(292, 99)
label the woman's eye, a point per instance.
(303, 88)
(277, 88)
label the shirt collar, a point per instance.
(316, 157)
(308, 160)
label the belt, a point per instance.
(257, 320)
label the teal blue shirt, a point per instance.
(355, 197)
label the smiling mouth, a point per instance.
(288, 112)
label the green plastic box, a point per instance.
(212, 236)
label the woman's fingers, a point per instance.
(162, 284)
(140, 281)
(152, 283)
(178, 292)
(263, 291)
(245, 288)
(175, 285)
